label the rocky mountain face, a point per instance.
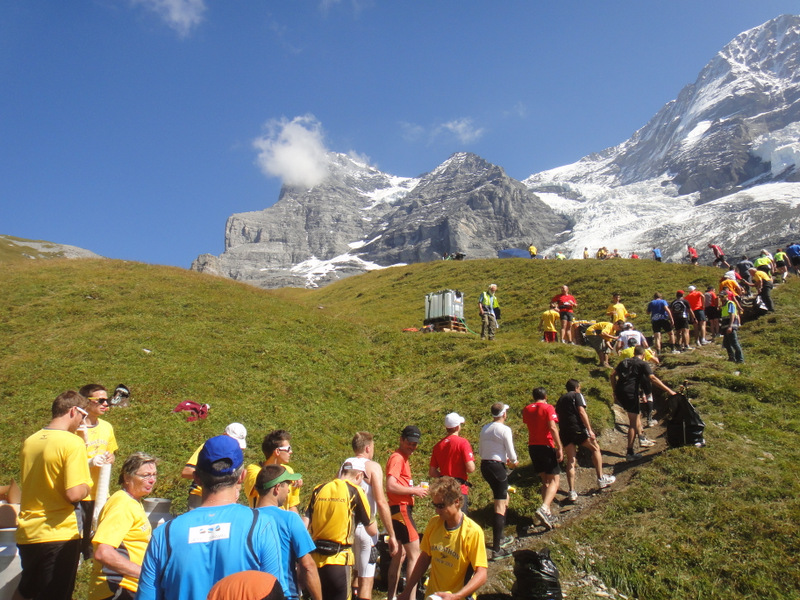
(717, 164)
(360, 219)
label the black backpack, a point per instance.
(678, 308)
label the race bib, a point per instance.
(209, 533)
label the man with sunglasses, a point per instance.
(453, 546)
(54, 478)
(277, 450)
(101, 443)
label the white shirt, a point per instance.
(496, 443)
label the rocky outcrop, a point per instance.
(360, 219)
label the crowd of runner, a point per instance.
(265, 547)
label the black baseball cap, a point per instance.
(411, 433)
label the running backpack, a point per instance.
(678, 308)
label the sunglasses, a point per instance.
(100, 400)
(83, 412)
(284, 449)
(439, 505)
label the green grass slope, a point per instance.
(714, 522)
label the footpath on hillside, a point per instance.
(613, 444)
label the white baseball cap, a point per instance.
(453, 420)
(238, 432)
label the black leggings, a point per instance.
(496, 475)
(335, 580)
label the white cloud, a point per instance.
(180, 15)
(294, 151)
(464, 129)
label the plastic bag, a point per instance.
(536, 576)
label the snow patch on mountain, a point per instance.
(780, 148)
(398, 188)
(315, 269)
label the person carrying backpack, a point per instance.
(626, 381)
(682, 316)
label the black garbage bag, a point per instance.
(684, 425)
(536, 576)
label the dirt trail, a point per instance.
(613, 445)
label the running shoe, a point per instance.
(633, 456)
(545, 518)
(573, 496)
(506, 541)
(645, 443)
(502, 553)
(605, 481)
(652, 422)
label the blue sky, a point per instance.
(134, 128)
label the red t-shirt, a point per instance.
(451, 455)
(537, 417)
(566, 302)
(398, 466)
(696, 300)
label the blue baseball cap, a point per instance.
(221, 447)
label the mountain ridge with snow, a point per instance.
(717, 164)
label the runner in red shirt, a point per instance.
(566, 307)
(545, 450)
(453, 456)
(697, 302)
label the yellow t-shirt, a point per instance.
(194, 488)
(601, 327)
(550, 321)
(762, 276)
(53, 461)
(250, 492)
(729, 284)
(618, 312)
(99, 440)
(335, 508)
(123, 525)
(452, 553)
(628, 353)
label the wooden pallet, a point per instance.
(448, 324)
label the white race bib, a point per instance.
(209, 533)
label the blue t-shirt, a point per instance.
(207, 544)
(793, 250)
(658, 310)
(295, 542)
(656, 253)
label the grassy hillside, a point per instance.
(714, 522)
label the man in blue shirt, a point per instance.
(661, 319)
(272, 485)
(794, 257)
(189, 554)
(657, 254)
